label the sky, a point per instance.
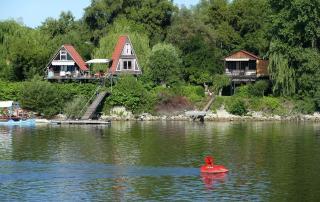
(33, 12)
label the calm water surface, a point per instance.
(135, 161)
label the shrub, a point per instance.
(73, 108)
(305, 106)
(193, 93)
(130, 93)
(242, 91)
(41, 97)
(258, 89)
(237, 106)
(10, 90)
(265, 104)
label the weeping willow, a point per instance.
(282, 75)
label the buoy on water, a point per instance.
(209, 166)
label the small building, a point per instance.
(244, 67)
(67, 64)
(124, 59)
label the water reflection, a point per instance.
(160, 161)
(210, 180)
(5, 142)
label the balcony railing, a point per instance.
(239, 73)
(73, 75)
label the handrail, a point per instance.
(93, 96)
(90, 99)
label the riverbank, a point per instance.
(219, 115)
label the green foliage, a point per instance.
(301, 30)
(23, 52)
(164, 63)
(242, 91)
(258, 88)
(40, 96)
(221, 101)
(305, 106)
(200, 77)
(193, 93)
(74, 107)
(269, 105)
(130, 92)
(282, 75)
(219, 81)
(61, 26)
(9, 90)
(153, 15)
(237, 106)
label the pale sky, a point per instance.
(33, 12)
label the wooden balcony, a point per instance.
(242, 75)
(75, 76)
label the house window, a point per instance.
(127, 49)
(63, 55)
(127, 65)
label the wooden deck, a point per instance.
(80, 122)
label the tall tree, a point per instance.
(164, 63)
(154, 15)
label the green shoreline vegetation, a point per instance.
(180, 51)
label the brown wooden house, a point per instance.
(244, 67)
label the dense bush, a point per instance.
(164, 63)
(242, 91)
(305, 106)
(10, 90)
(44, 97)
(41, 96)
(265, 104)
(130, 92)
(238, 107)
(193, 93)
(259, 88)
(73, 108)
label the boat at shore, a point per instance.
(11, 122)
(12, 115)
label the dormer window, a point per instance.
(63, 55)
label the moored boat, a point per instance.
(27, 122)
(11, 114)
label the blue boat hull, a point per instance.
(28, 122)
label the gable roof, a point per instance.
(76, 57)
(242, 54)
(117, 53)
(74, 54)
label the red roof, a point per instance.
(117, 53)
(76, 57)
(243, 54)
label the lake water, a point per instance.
(136, 161)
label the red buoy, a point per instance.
(209, 166)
